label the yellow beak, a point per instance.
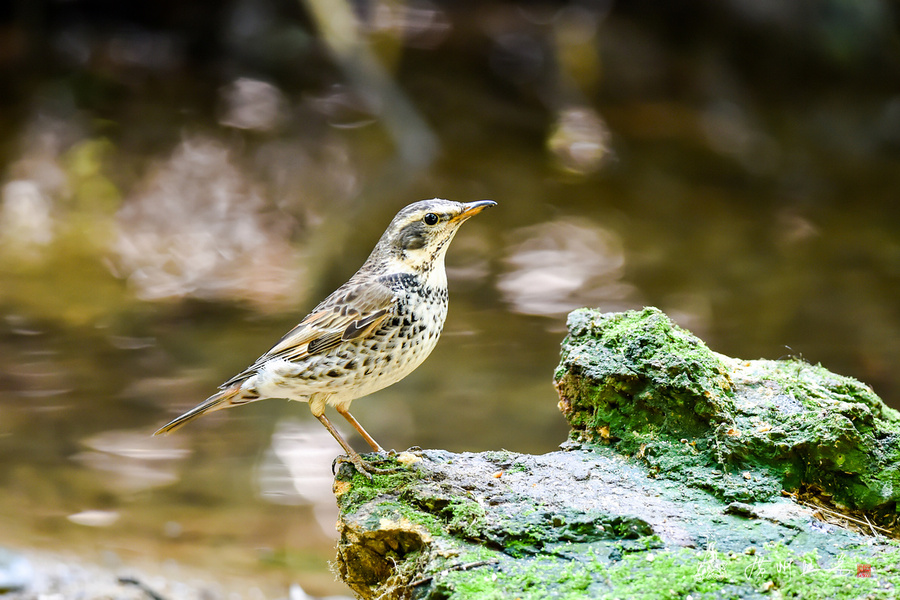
(473, 208)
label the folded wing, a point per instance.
(350, 314)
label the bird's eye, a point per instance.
(430, 219)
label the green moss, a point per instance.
(536, 579)
(361, 489)
(526, 533)
(456, 514)
(637, 371)
(743, 430)
(709, 573)
(465, 517)
(678, 573)
(394, 510)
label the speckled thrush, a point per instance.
(370, 333)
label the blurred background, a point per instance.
(183, 181)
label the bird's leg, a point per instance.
(351, 453)
(357, 461)
(352, 420)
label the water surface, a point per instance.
(168, 212)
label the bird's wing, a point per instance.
(350, 313)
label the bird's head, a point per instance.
(418, 236)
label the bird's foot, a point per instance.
(353, 459)
(366, 468)
(384, 470)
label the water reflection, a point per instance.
(252, 104)
(36, 183)
(343, 107)
(25, 223)
(732, 131)
(296, 469)
(200, 227)
(420, 24)
(175, 194)
(555, 267)
(580, 140)
(94, 518)
(131, 461)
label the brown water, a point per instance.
(168, 214)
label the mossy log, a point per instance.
(681, 476)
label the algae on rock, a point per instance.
(744, 430)
(584, 523)
(672, 483)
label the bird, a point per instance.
(368, 334)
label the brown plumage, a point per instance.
(370, 333)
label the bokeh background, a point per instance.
(182, 181)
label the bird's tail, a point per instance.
(230, 396)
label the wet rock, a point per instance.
(745, 430)
(675, 481)
(434, 531)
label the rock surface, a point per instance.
(681, 476)
(584, 523)
(640, 383)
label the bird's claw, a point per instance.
(342, 459)
(366, 468)
(384, 471)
